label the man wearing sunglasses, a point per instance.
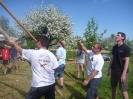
(94, 70)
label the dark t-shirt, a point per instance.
(119, 54)
(13, 52)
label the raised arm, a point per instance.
(82, 46)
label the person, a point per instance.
(119, 65)
(13, 59)
(61, 57)
(5, 53)
(43, 64)
(80, 63)
(95, 65)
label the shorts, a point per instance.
(13, 60)
(115, 78)
(79, 65)
(5, 62)
(59, 70)
(37, 92)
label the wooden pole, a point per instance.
(4, 34)
(69, 75)
(59, 92)
(4, 6)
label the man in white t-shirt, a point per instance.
(95, 65)
(43, 64)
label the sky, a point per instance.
(111, 15)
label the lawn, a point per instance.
(15, 85)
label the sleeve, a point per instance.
(113, 50)
(58, 52)
(128, 52)
(27, 54)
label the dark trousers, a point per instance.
(92, 90)
(37, 92)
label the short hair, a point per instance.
(99, 45)
(122, 34)
(44, 40)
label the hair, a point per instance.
(45, 41)
(122, 34)
(99, 45)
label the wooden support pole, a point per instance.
(4, 34)
(69, 75)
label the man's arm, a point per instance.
(107, 73)
(93, 74)
(82, 46)
(58, 57)
(123, 77)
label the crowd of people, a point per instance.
(46, 66)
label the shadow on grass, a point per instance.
(21, 75)
(74, 93)
(18, 90)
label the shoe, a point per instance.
(3, 74)
(77, 79)
(61, 87)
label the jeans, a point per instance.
(92, 90)
(59, 70)
(37, 92)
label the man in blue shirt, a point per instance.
(61, 58)
(14, 53)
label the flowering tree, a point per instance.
(109, 42)
(51, 22)
(4, 23)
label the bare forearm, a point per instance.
(110, 64)
(126, 65)
(83, 47)
(93, 74)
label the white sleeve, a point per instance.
(27, 54)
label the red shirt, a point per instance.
(5, 54)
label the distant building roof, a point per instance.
(2, 38)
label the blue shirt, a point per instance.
(62, 53)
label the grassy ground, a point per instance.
(15, 85)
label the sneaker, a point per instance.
(77, 79)
(3, 74)
(61, 87)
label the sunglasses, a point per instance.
(94, 47)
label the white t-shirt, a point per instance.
(95, 62)
(80, 56)
(42, 64)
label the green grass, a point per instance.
(10, 88)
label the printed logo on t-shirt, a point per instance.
(44, 60)
(120, 51)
